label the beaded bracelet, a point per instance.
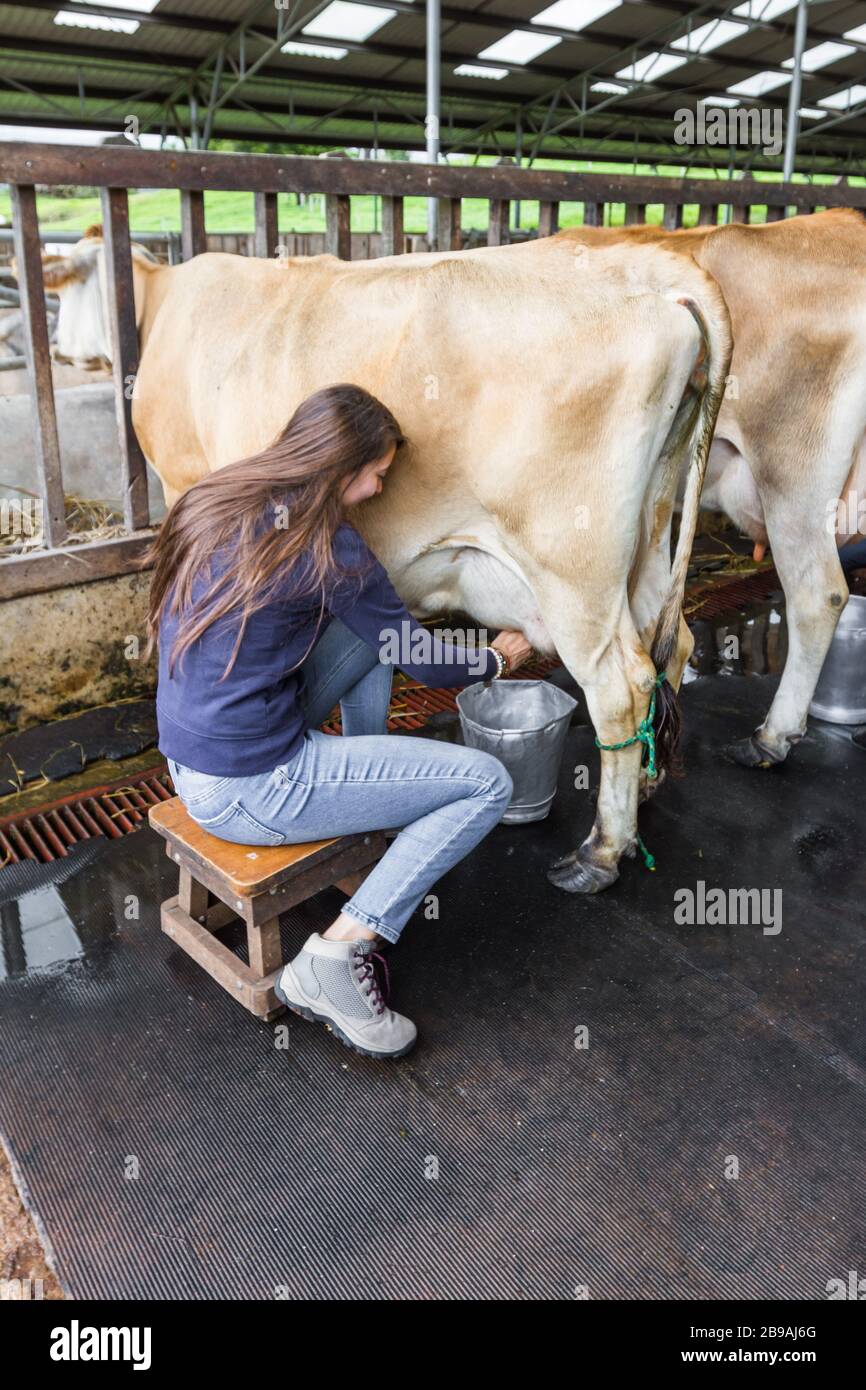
(501, 662)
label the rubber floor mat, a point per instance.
(65, 746)
(30, 875)
(602, 1099)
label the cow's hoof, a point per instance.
(579, 875)
(748, 752)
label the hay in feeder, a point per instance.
(87, 519)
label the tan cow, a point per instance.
(552, 396)
(790, 444)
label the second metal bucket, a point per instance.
(840, 695)
(523, 724)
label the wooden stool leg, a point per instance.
(192, 896)
(265, 948)
(350, 883)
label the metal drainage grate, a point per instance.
(49, 834)
(722, 597)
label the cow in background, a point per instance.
(82, 337)
(788, 462)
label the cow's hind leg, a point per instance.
(617, 680)
(807, 560)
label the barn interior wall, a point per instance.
(73, 648)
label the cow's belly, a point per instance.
(730, 488)
(491, 590)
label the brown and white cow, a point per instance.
(83, 337)
(790, 444)
(552, 396)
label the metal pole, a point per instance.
(518, 154)
(214, 93)
(794, 93)
(434, 30)
(375, 155)
(193, 119)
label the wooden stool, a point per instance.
(254, 883)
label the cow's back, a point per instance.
(478, 354)
(500, 369)
(796, 293)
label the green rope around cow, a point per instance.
(646, 735)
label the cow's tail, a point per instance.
(714, 365)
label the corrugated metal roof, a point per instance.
(385, 77)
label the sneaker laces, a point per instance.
(367, 974)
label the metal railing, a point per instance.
(115, 169)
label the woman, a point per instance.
(268, 609)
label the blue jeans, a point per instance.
(853, 555)
(443, 797)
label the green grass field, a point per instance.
(158, 210)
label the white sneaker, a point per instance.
(336, 983)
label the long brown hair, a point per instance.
(266, 511)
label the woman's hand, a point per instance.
(513, 645)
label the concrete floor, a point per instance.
(706, 1144)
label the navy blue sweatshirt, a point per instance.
(253, 720)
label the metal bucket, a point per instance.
(523, 724)
(840, 695)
